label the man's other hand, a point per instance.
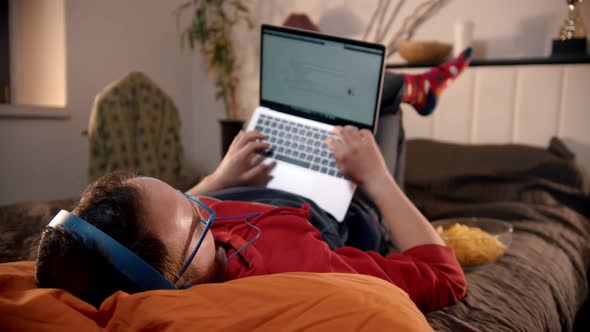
(357, 155)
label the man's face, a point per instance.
(173, 219)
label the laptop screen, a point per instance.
(328, 79)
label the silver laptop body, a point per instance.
(310, 82)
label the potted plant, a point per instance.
(211, 29)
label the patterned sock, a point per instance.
(422, 91)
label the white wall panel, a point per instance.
(417, 126)
(575, 117)
(453, 116)
(538, 103)
(494, 104)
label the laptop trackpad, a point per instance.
(329, 192)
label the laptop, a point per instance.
(309, 83)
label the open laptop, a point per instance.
(310, 82)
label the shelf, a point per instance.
(504, 62)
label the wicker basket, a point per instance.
(424, 51)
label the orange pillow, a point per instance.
(288, 301)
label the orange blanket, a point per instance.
(285, 302)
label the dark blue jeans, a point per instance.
(362, 227)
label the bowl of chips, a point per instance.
(476, 242)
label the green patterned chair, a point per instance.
(135, 126)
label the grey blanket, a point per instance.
(541, 282)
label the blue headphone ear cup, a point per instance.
(123, 260)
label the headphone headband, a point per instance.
(124, 260)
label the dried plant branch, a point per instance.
(380, 27)
(427, 12)
(372, 20)
(389, 22)
(411, 23)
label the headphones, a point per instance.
(126, 262)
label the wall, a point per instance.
(45, 159)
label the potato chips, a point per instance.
(472, 245)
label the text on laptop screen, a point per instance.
(328, 79)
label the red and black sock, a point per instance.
(423, 90)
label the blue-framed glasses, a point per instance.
(207, 218)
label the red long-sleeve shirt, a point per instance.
(430, 274)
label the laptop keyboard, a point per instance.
(298, 144)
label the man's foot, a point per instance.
(422, 91)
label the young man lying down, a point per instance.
(135, 234)
(177, 235)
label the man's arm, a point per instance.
(408, 226)
(241, 165)
(360, 160)
(426, 269)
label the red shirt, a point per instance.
(430, 274)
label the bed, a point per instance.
(540, 284)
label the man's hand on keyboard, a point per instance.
(242, 165)
(357, 155)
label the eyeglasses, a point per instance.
(207, 218)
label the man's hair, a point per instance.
(112, 204)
